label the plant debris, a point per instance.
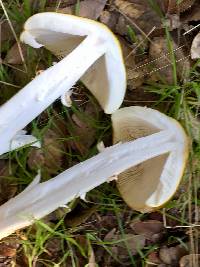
(161, 50)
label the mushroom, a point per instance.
(195, 48)
(91, 53)
(153, 182)
(96, 59)
(39, 199)
(163, 149)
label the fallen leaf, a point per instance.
(36, 159)
(195, 13)
(53, 150)
(135, 78)
(173, 22)
(194, 123)
(172, 255)
(174, 6)
(163, 66)
(132, 10)
(78, 216)
(7, 251)
(13, 56)
(8, 247)
(6, 33)
(121, 26)
(63, 3)
(195, 48)
(88, 9)
(109, 19)
(153, 259)
(133, 242)
(84, 135)
(149, 229)
(51, 154)
(136, 13)
(53, 246)
(190, 260)
(7, 188)
(110, 235)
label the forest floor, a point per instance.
(156, 38)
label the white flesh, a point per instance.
(36, 96)
(39, 199)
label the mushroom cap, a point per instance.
(62, 33)
(152, 183)
(195, 48)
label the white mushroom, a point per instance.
(91, 52)
(96, 59)
(39, 199)
(195, 48)
(151, 183)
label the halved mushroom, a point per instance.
(91, 52)
(95, 54)
(39, 199)
(164, 141)
(153, 182)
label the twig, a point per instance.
(14, 34)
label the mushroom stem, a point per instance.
(39, 199)
(36, 96)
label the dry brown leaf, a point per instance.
(153, 259)
(6, 33)
(84, 135)
(135, 78)
(109, 18)
(7, 251)
(13, 56)
(148, 228)
(132, 10)
(51, 154)
(35, 159)
(190, 260)
(88, 9)
(174, 6)
(8, 247)
(53, 150)
(121, 26)
(172, 255)
(133, 242)
(194, 123)
(78, 216)
(173, 22)
(195, 49)
(195, 14)
(163, 66)
(53, 246)
(138, 14)
(62, 3)
(7, 188)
